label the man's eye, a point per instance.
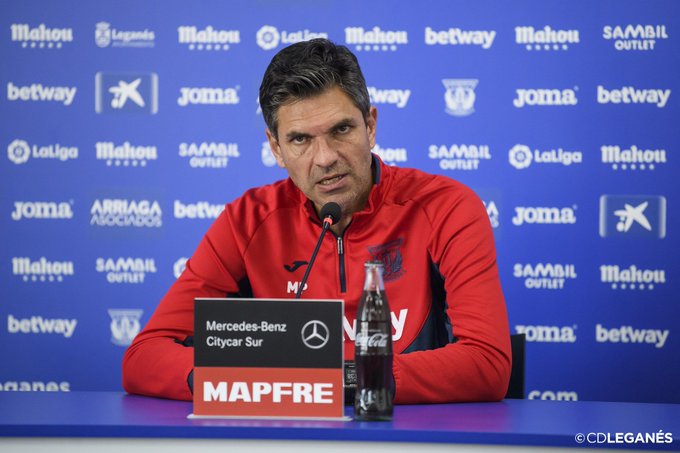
(299, 139)
(343, 129)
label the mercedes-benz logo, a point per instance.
(315, 334)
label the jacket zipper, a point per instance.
(341, 257)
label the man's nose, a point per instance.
(325, 155)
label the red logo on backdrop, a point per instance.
(268, 392)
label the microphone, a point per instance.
(330, 214)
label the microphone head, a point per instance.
(332, 212)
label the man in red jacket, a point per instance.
(450, 327)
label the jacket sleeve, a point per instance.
(477, 366)
(157, 363)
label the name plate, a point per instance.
(268, 358)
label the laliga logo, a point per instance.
(460, 96)
(267, 37)
(18, 151)
(520, 156)
(179, 266)
(315, 334)
(124, 326)
(268, 158)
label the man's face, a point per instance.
(325, 144)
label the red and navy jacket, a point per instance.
(449, 321)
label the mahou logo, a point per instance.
(375, 39)
(19, 151)
(126, 213)
(632, 158)
(207, 38)
(459, 157)
(544, 215)
(41, 270)
(632, 277)
(545, 38)
(544, 275)
(391, 156)
(41, 210)
(126, 270)
(40, 37)
(125, 154)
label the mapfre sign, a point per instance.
(268, 358)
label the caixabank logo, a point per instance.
(41, 36)
(269, 37)
(375, 39)
(634, 37)
(391, 156)
(633, 216)
(125, 93)
(459, 156)
(124, 213)
(208, 38)
(20, 151)
(632, 158)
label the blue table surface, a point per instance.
(512, 422)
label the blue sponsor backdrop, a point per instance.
(126, 126)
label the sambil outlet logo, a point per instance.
(544, 275)
(179, 266)
(208, 155)
(35, 386)
(459, 157)
(37, 92)
(632, 158)
(40, 37)
(125, 93)
(126, 213)
(521, 156)
(269, 37)
(126, 270)
(460, 96)
(545, 38)
(630, 334)
(207, 38)
(548, 334)
(544, 215)
(460, 37)
(375, 39)
(634, 37)
(391, 156)
(208, 96)
(40, 325)
(545, 97)
(19, 151)
(633, 216)
(125, 154)
(632, 277)
(107, 36)
(398, 98)
(41, 270)
(42, 210)
(125, 326)
(199, 210)
(632, 95)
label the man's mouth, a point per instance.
(331, 180)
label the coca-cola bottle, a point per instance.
(373, 351)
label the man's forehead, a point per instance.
(322, 110)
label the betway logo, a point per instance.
(38, 92)
(19, 151)
(200, 210)
(125, 154)
(634, 37)
(631, 277)
(629, 334)
(126, 270)
(42, 210)
(209, 155)
(126, 213)
(391, 155)
(40, 325)
(208, 38)
(543, 215)
(35, 386)
(632, 95)
(42, 269)
(544, 276)
(544, 96)
(208, 96)
(546, 38)
(459, 157)
(40, 36)
(548, 334)
(459, 37)
(399, 98)
(398, 323)
(632, 157)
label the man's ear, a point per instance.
(371, 123)
(276, 149)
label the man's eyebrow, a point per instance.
(343, 122)
(293, 134)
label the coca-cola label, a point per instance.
(373, 342)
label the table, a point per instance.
(100, 420)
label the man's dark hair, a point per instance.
(306, 69)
